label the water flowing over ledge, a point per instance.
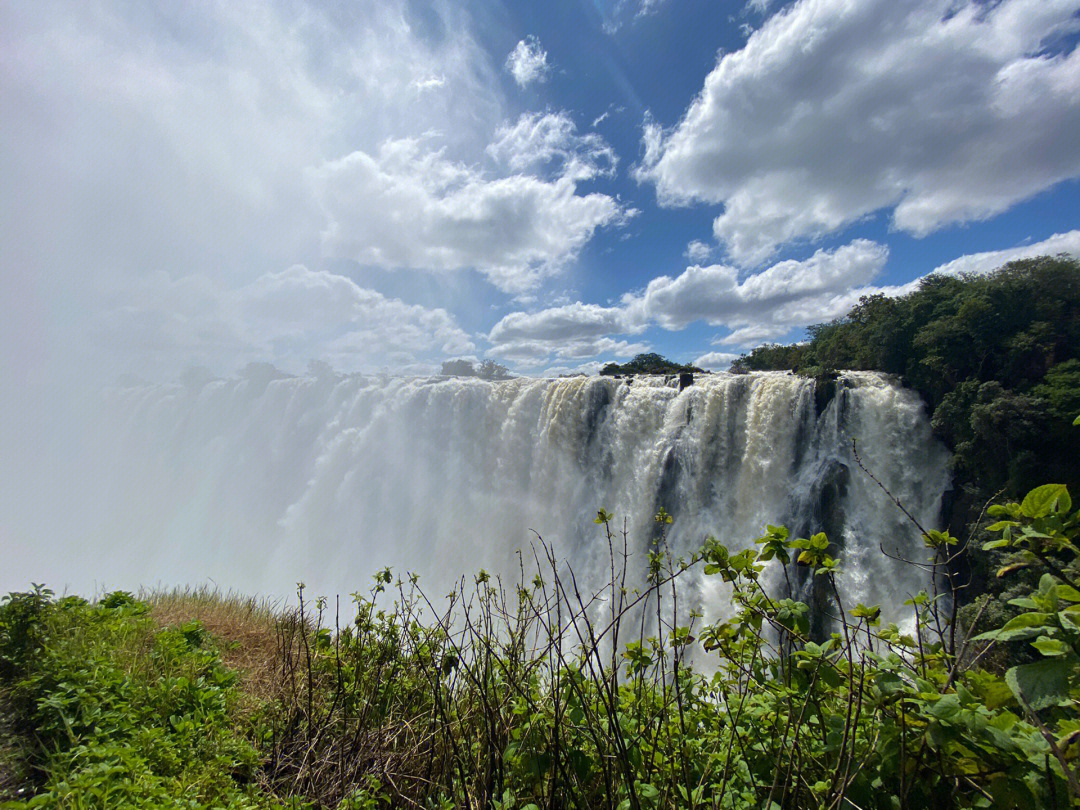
(258, 484)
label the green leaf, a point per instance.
(1070, 620)
(1016, 634)
(945, 708)
(889, 683)
(1028, 620)
(647, 791)
(1043, 500)
(1042, 684)
(1067, 592)
(1051, 647)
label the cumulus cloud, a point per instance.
(532, 354)
(757, 333)
(940, 111)
(528, 63)
(716, 361)
(697, 251)
(764, 305)
(572, 331)
(548, 142)
(290, 316)
(592, 367)
(408, 206)
(781, 294)
(1067, 243)
(757, 308)
(565, 323)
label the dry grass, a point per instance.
(245, 629)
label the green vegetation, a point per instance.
(650, 363)
(537, 694)
(109, 711)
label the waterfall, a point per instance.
(255, 484)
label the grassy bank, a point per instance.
(535, 693)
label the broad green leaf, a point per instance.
(1051, 647)
(945, 708)
(1028, 620)
(995, 693)
(1043, 500)
(889, 683)
(1067, 592)
(1016, 634)
(1024, 602)
(1069, 619)
(1042, 684)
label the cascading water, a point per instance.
(256, 484)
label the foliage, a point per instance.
(650, 363)
(112, 713)
(541, 693)
(458, 368)
(487, 370)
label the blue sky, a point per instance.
(552, 185)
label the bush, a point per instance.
(540, 693)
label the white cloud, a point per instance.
(532, 354)
(1068, 243)
(716, 361)
(592, 367)
(765, 305)
(629, 10)
(549, 143)
(571, 331)
(409, 206)
(565, 323)
(288, 316)
(943, 111)
(697, 251)
(429, 83)
(782, 294)
(528, 63)
(141, 140)
(761, 307)
(757, 333)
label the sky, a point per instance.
(384, 186)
